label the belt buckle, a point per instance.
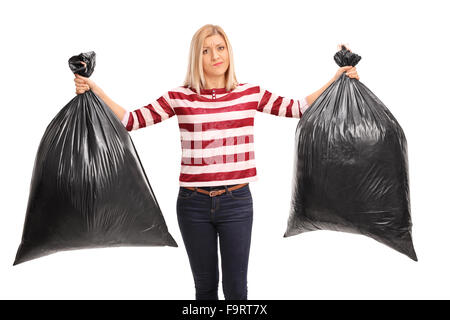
(214, 193)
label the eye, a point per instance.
(204, 51)
(222, 47)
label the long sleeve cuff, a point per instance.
(303, 105)
(125, 118)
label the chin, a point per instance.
(217, 73)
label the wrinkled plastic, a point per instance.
(351, 166)
(88, 187)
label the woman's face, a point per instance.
(215, 51)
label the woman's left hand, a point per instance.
(350, 71)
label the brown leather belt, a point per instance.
(214, 193)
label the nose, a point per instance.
(215, 54)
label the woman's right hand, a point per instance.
(83, 84)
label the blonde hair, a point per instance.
(195, 77)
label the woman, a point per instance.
(215, 115)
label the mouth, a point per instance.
(217, 64)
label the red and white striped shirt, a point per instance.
(216, 129)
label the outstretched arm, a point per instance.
(280, 106)
(84, 84)
(155, 112)
(349, 70)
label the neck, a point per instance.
(218, 82)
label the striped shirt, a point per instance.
(216, 129)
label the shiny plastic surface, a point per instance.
(88, 187)
(83, 69)
(351, 166)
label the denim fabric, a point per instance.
(203, 220)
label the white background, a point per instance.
(286, 46)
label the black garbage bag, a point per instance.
(351, 166)
(88, 188)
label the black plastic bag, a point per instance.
(351, 166)
(88, 187)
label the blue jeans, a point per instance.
(202, 219)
